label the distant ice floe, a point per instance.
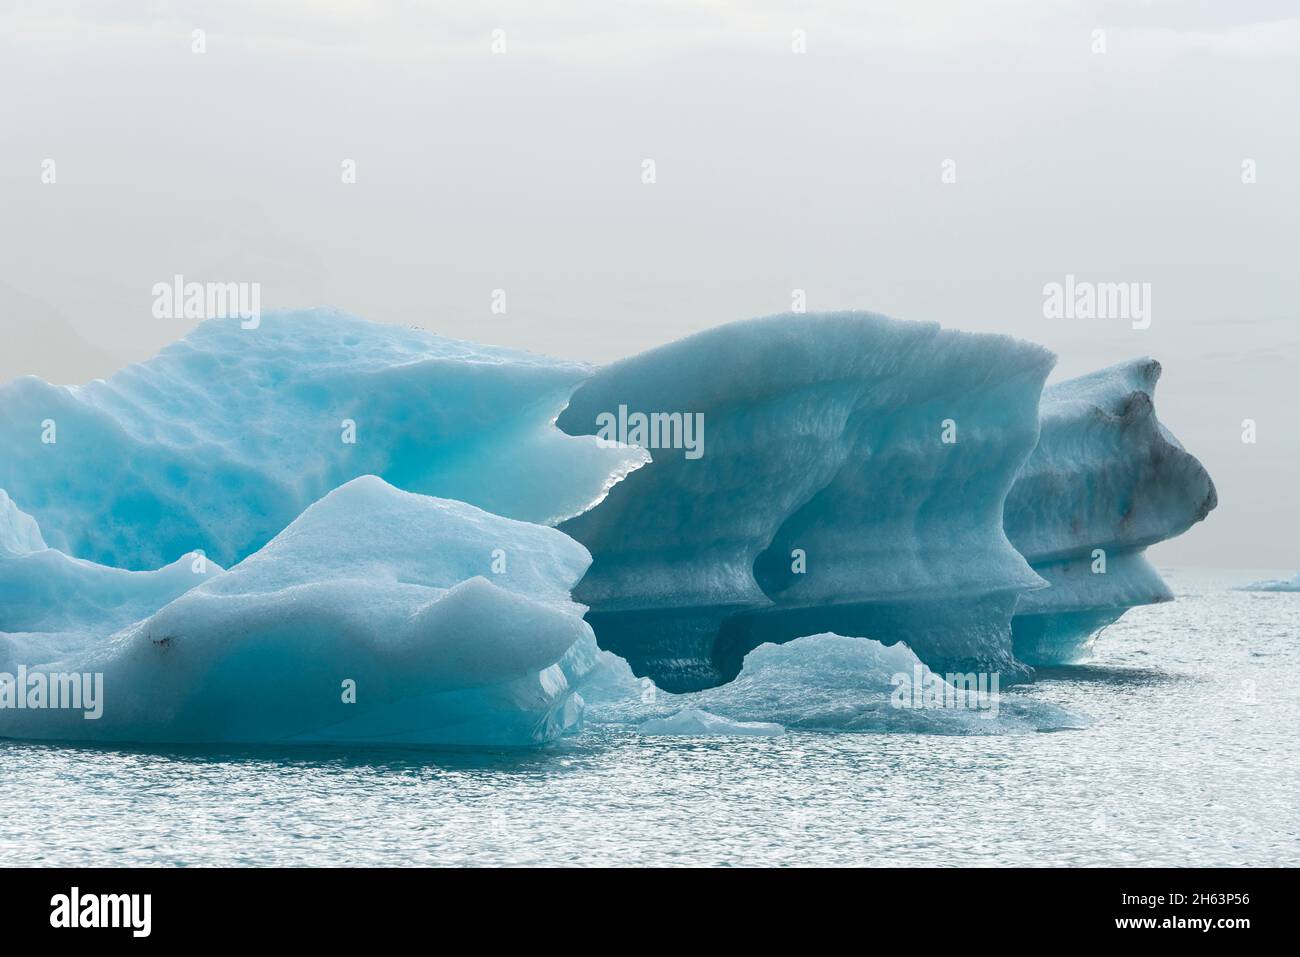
(1292, 584)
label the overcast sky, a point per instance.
(775, 171)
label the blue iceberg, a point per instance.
(823, 683)
(853, 481)
(1106, 480)
(51, 603)
(224, 437)
(377, 616)
(328, 530)
(879, 479)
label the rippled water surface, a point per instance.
(1192, 757)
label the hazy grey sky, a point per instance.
(775, 171)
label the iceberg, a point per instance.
(255, 524)
(695, 723)
(51, 604)
(1106, 480)
(377, 616)
(853, 477)
(1285, 584)
(879, 479)
(223, 438)
(19, 533)
(819, 683)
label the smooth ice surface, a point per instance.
(224, 437)
(881, 450)
(394, 591)
(1106, 480)
(817, 683)
(695, 723)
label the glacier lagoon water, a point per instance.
(1191, 758)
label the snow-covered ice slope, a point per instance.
(1106, 480)
(851, 479)
(455, 626)
(224, 437)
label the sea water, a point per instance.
(1192, 757)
